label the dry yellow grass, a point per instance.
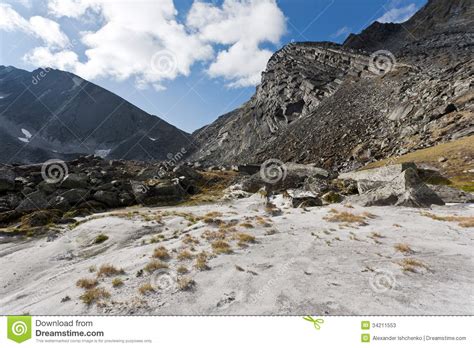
(221, 247)
(464, 221)
(212, 235)
(93, 295)
(145, 289)
(346, 217)
(108, 270)
(245, 238)
(201, 262)
(185, 283)
(412, 265)
(161, 253)
(154, 265)
(190, 240)
(117, 282)
(246, 225)
(87, 283)
(185, 255)
(403, 248)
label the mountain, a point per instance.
(50, 114)
(436, 17)
(342, 106)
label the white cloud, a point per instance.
(45, 57)
(344, 31)
(49, 31)
(244, 25)
(145, 41)
(398, 15)
(40, 27)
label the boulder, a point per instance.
(332, 197)
(188, 172)
(9, 201)
(383, 174)
(75, 195)
(33, 201)
(7, 179)
(306, 170)
(407, 189)
(110, 199)
(302, 198)
(164, 191)
(75, 181)
(317, 185)
(249, 169)
(452, 195)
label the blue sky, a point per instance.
(187, 61)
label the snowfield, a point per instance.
(379, 260)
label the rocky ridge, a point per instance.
(341, 107)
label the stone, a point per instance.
(73, 181)
(301, 198)
(332, 197)
(384, 174)
(110, 199)
(452, 195)
(33, 201)
(74, 196)
(7, 179)
(400, 112)
(249, 169)
(306, 170)
(407, 189)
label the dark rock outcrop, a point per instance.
(334, 105)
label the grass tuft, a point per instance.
(161, 253)
(93, 295)
(87, 283)
(107, 270)
(154, 265)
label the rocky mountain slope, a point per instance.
(341, 107)
(48, 114)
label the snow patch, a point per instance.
(102, 153)
(27, 135)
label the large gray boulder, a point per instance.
(157, 193)
(302, 198)
(109, 198)
(34, 201)
(452, 195)
(382, 174)
(74, 196)
(7, 179)
(75, 181)
(306, 170)
(407, 189)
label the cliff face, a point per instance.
(338, 107)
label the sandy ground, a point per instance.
(300, 263)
